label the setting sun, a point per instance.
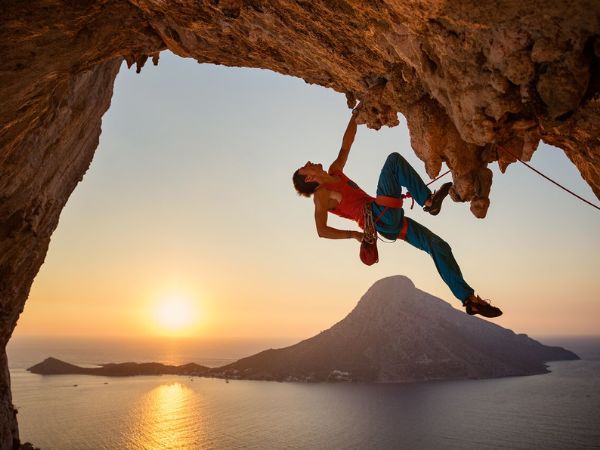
(175, 314)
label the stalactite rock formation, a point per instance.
(475, 81)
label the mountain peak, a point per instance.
(399, 333)
(398, 295)
(399, 282)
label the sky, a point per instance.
(187, 224)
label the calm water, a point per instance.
(559, 410)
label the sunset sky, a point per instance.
(189, 203)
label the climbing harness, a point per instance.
(548, 178)
(394, 202)
(368, 246)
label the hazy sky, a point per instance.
(190, 195)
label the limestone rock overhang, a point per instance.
(476, 82)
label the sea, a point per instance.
(558, 410)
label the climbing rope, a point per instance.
(408, 195)
(437, 178)
(548, 178)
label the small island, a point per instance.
(53, 366)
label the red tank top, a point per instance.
(353, 198)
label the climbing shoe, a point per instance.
(481, 307)
(437, 198)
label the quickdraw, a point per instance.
(370, 235)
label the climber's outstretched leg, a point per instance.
(420, 237)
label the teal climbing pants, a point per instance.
(397, 174)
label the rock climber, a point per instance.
(333, 192)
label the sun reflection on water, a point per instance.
(165, 418)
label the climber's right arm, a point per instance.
(348, 139)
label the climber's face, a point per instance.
(311, 170)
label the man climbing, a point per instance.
(334, 192)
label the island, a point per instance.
(53, 366)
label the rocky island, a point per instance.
(53, 366)
(396, 333)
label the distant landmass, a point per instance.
(396, 333)
(53, 366)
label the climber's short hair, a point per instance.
(303, 187)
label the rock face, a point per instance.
(475, 80)
(398, 333)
